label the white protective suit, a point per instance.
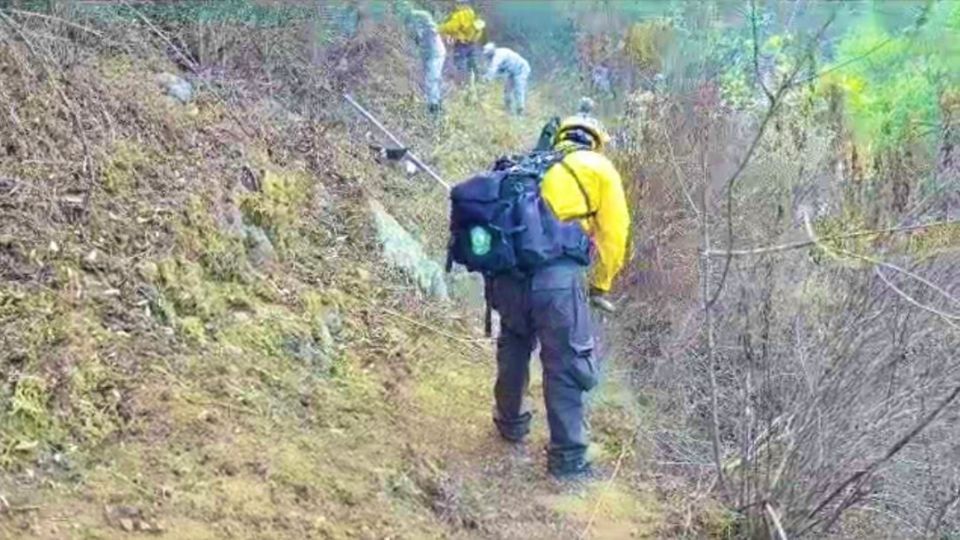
(507, 64)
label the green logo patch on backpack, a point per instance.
(480, 241)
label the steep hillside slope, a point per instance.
(200, 339)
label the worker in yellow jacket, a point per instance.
(597, 192)
(551, 304)
(464, 29)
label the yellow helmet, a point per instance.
(573, 128)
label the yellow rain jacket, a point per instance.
(609, 225)
(463, 25)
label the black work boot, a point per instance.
(580, 470)
(515, 430)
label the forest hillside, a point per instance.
(224, 314)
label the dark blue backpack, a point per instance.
(499, 223)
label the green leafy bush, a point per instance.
(892, 82)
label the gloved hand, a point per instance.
(598, 299)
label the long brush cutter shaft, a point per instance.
(410, 155)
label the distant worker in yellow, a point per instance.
(464, 28)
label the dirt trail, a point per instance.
(413, 458)
(510, 483)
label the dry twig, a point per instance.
(679, 176)
(775, 519)
(473, 342)
(58, 20)
(808, 243)
(949, 318)
(613, 476)
(707, 307)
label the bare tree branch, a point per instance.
(947, 318)
(771, 111)
(775, 520)
(808, 243)
(679, 176)
(878, 262)
(707, 306)
(57, 20)
(756, 52)
(859, 476)
(892, 451)
(935, 521)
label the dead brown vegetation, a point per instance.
(826, 368)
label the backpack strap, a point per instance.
(488, 307)
(488, 320)
(586, 198)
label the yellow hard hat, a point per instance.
(587, 124)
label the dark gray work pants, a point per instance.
(465, 56)
(550, 307)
